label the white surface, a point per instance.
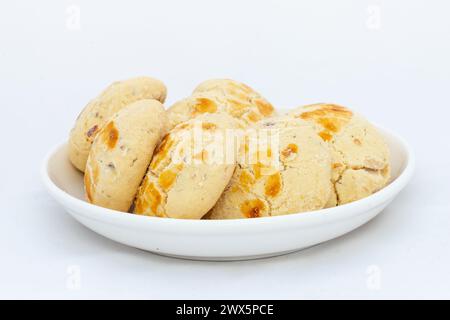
(222, 240)
(294, 52)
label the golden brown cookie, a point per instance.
(222, 96)
(121, 154)
(288, 175)
(97, 112)
(360, 155)
(188, 172)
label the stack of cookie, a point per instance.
(222, 153)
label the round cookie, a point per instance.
(360, 157)
(97, 112)
(222, 96)
(121, 153)
(189, 170)
(290, 174)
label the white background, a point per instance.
(387, 59)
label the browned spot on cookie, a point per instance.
(254, 117)
(154, 197)
(246, 145)
(141, 204)
(164, 143)
(331, 117)
(91, 180)
(167, 178)
(162, 151)
(252, 208)
(273, 185)
(110, 135)
(184, 126)
(327, 108)
(357, 142)
(238, 93)
(329, 124)
(237, 108)
(264, 107)
(235, 189)
(289, 150)
(257, 169)
(325, 136)
(202, 155)
(208, 126)
(246, 180)
(337, 165)
(149, 197)
(92, 131)
(204, 105)
(262, 169)
(264, 157)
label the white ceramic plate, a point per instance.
(223, 239)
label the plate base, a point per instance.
(230, 259)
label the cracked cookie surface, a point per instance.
(360, 157)
(187, 173)
(94, 116)
(289, 176)
(121, 153)
(222, 96)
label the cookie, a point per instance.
(97, 112)
(121, 154)
(189, 170)
(360, 156)
(290, 174)
(222, 96)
